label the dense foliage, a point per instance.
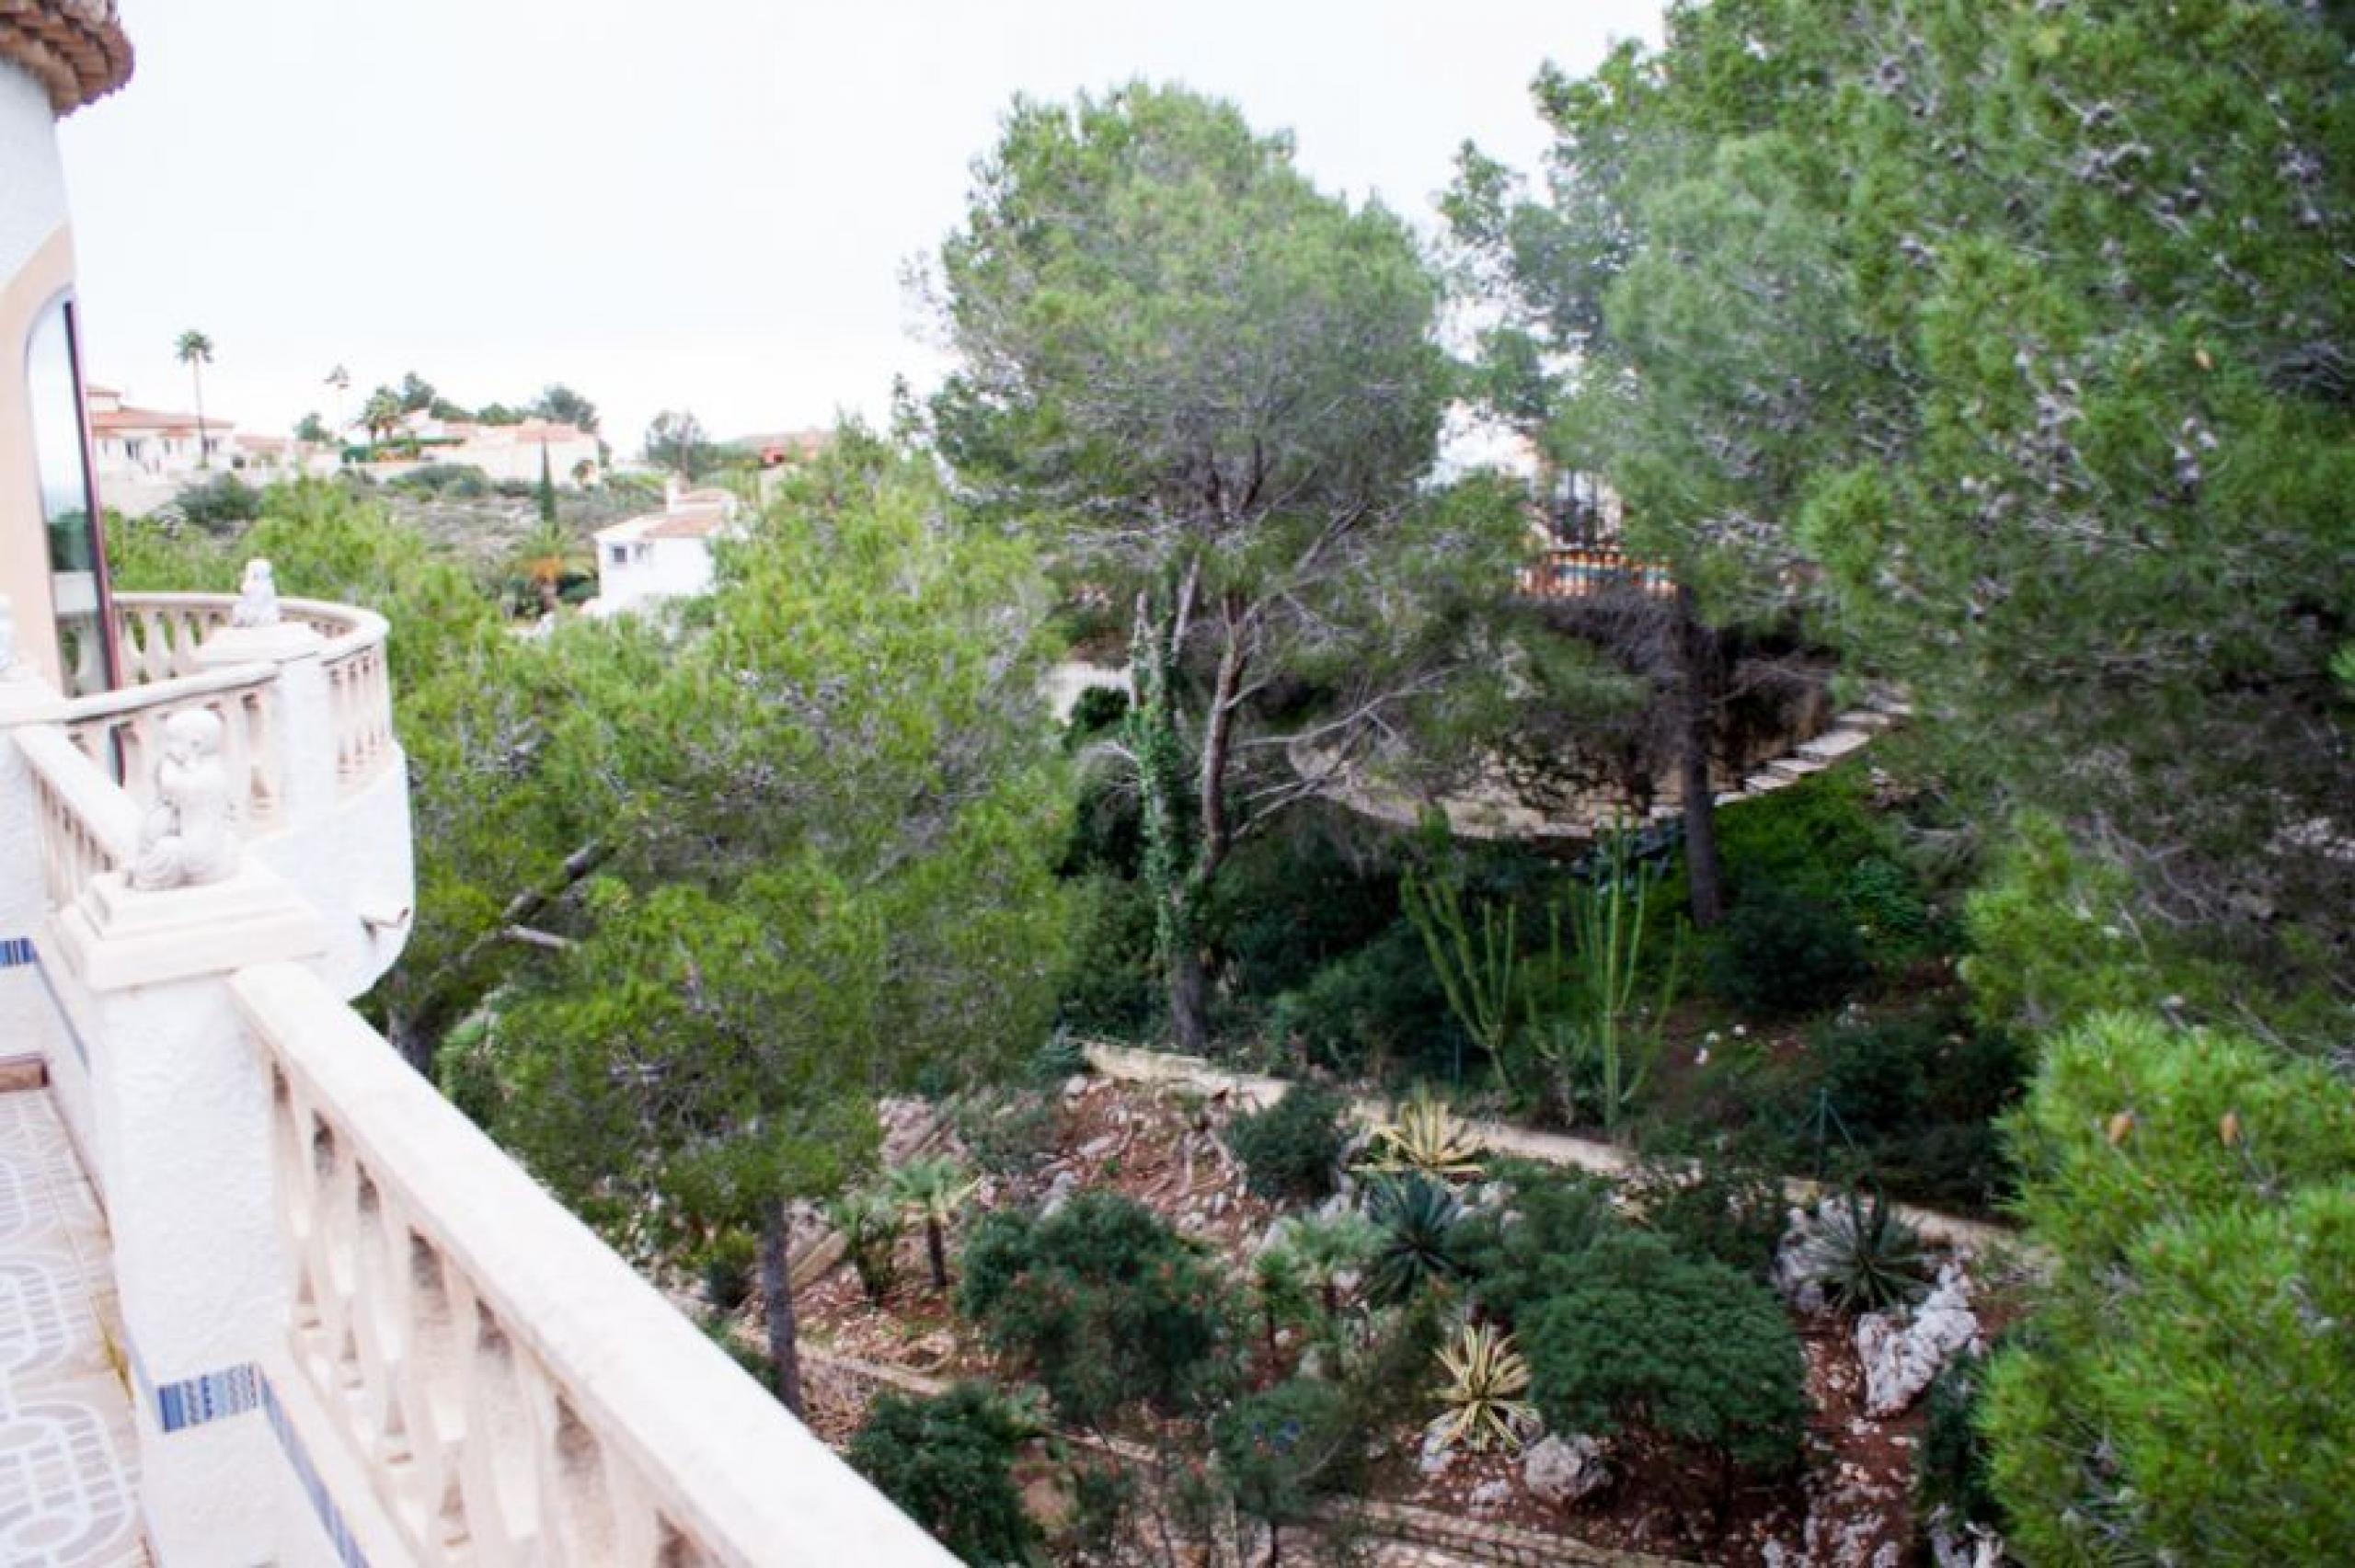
(1105, 1303)
(1682, 1347)
(948, 1461)
(1292, 1149)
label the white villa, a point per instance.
(153, 445)
(265, 1296)
(663, 554)
(511, 452)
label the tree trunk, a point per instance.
(776, 1287)
(936, 1250)
(1696, 658)
(408, 1042)
(1188, 999)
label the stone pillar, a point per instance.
(26, 1022)
(181, 1106)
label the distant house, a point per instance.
(149, 446)
(663, 554)
(502, 451)
(782, 453)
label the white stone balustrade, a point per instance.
(514, 1392)
(122, 733)
(87, 825)
(359, 697)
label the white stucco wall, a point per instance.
(673, 568)
(32, 178)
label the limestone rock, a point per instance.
(1059, 1192)
(1563, 1470)
(1900, 1356)
(1794, 1281)
(1489, 1495)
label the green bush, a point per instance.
(949, 1463)
(1518, 1254)
(1950, 1468)
(1720, 1200)
(1370, 1012)
(1912, 1102)
(220, 506)
(1782, 951)
(1098, 709)
(1005, 1133)
(1112, 984)
(2182, 1393)
(1292, 1148)
(1288, 904)
(1104, 1302)
(1286, 1447)
(728, 1263)
(1685, 1349)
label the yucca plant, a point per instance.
(934, 1188)
(1482, 1396)
(1419, 1220)
(1424, 1138)
(869, 1221)
(1865, 1258)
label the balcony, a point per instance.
(341, 1325)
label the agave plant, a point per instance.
(1424, 1137)
(1419, 1220)
(1486, 1380)
(1865, 1258)
(934, 1190)
(869, 1220)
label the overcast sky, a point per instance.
(704, 204)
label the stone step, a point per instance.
(1765, 783)
(1794, 768)
(1834, 744)
(1871, 720)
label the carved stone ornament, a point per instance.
(186, 840)
(257, 596)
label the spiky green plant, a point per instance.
(1603, 1054)
(1480, 978)
(1482, 1397)
(934, 1188)
(1419, 1220)
(1326, 1248)
(1865, 1258)
(870, 1220)
(1424, 1138)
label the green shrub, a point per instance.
(220, 506)
(1912, 1102)
(1782, 951)
(1098, 709)
(870, 1220)
(949, 1463)
(1284, 1448)
(1111, 985)
(1058, 1059)
(1527, 1250)
(1371, 1011)
(728, 1263)
(1005, 1133)
(1685, 1349)
(1950, 1468)
(1104, 1302)
(1420, 1221)
(1288, 904)
(1292, 1148)
(1720, 1200)
(2182, 1393)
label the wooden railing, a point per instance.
(513, 1391)
(1591, 571)
(86, 824)
(122, 733)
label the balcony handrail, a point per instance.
(88, 823)
(173, 692)
(562, 1375)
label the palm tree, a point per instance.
(196, 352)
(381, 413)
(934, 1189)
(548, 554)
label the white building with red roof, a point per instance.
(145, 446)
(663, 554)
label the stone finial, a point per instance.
(257, 596)
(185, 839)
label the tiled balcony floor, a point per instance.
(69, 1479)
